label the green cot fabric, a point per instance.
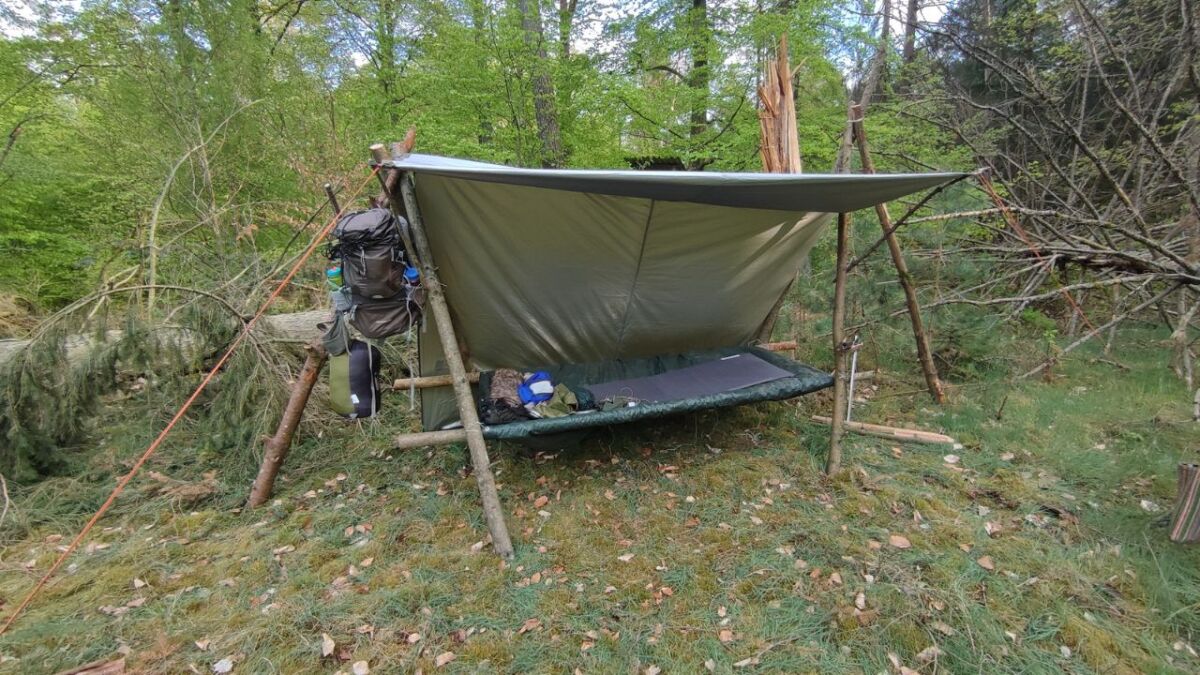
(804, 380)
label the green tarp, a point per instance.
(544, 267)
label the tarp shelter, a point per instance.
(545, 267)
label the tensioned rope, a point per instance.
(212, 373)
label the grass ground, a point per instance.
(710, 540)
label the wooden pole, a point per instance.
(332, 197)
(389, 182)
(429, 381)
(894, 433)
(1185, 524)
(426, 438)
(924, 355)
(492, 510)
(277, 446)
(841, 347)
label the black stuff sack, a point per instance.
(353, 390)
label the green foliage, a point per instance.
(51, 389)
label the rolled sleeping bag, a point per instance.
(353, 375)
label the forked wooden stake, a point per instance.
(492, 510)
(932, 381)
(840, 346)
(277, 446)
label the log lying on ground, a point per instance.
(298, 327)
(894, 433)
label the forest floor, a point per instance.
(710, 540)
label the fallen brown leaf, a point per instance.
(327, 645)
(899, 541)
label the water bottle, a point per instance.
(333, 275)
(412, 276)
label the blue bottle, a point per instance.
(333, 276)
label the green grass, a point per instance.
(744, 533)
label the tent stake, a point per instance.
(840, 347)
(932, 381)
(492, 511)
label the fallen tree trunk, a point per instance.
(297, 327)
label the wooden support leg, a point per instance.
(492, 510)
(279, 444)
(924, 355)
(841, 347)
(1185, 525)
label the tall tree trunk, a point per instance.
(545, 109)
(910, 30)
(698, 76)
(385, 57)
(479, 35)
(566, 19)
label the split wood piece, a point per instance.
(278, 445)
(1185, 525)
(492, 511)
(424, 438)
(778, 141)
(841, 346)
(924, 355)
(785, 346)
(894, 433)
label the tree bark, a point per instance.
(699, 76)
(545, 108)
(840, 348)
(911, 19)
(298, 327)
(566, 19)
(277, 446)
